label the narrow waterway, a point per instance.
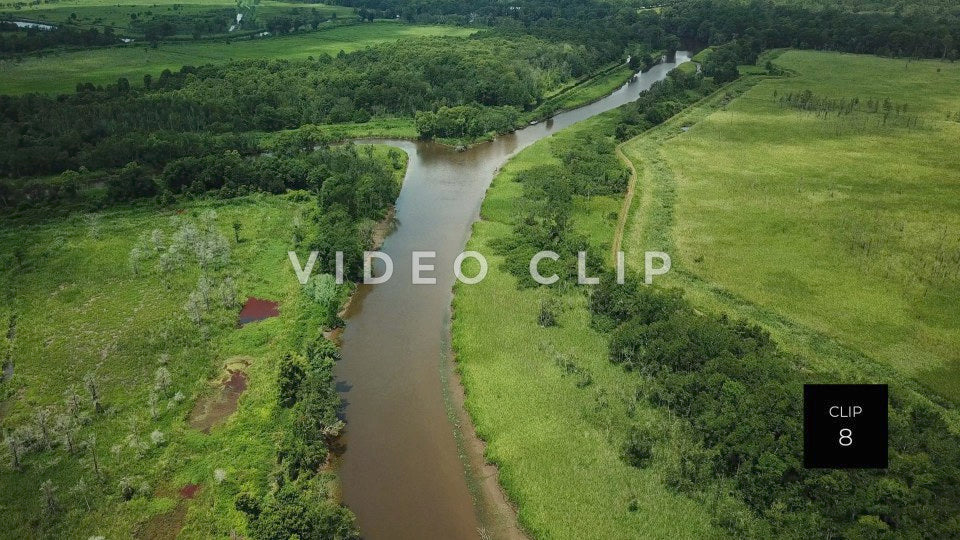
(407, 469)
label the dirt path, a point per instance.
(625, 207)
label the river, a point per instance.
(407, 469)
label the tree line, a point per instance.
(17, 40)
(740, 446)
(110, 126)
(930, 33)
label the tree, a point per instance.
(51, 505)
(237, 226)
(43, 417)
(15, 445)
(94, 460)
(83, 490)
(67, 429)
(125, 486)
(93, 387)
(72, 399)
(291, 375)
(638, 448)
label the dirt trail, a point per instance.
(625, 207)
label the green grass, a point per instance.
(61, 72)
(81, 309)
(588, 90)
(837, 233)
(557, 445)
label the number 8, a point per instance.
(846, 437)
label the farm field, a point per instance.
(839, 231)
(557, 444)
(62, 71)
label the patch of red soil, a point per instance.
(257, 309)
(215, 409)
(189, 491)
(164, 526)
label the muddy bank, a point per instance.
(211, 411)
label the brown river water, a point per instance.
(411, 465)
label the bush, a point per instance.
(638, 448)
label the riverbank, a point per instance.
(589, 90)
(555, 438)
(555, 410)
(395, 375)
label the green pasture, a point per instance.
(60, 72)
(840, 232)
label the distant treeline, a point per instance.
(101, 127)
(609, 27)
(15, 40)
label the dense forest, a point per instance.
(156, 120)
(459, 88)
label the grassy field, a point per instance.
(80, 308)
(61, 72)
(588, 90)
(557, 444)
(91, 314)
(839, 232)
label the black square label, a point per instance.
(845, 426)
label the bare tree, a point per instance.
(51, 505)
(203, 291)
(162, 380)
(158, 241)
(154, 402)
(16, 449)
(67, 429)
(72, 399)
(93, 387)
(83, 490)
(228, 293)
(135, 259)
(92, 448)
(43, 417)
(194, 308)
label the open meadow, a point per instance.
(81, 310)
(555, 429)
(824, 204)
(186, 415)
(60, 72)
